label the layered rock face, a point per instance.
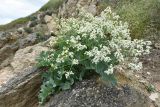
(20, 79)
(20, 82)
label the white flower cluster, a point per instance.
(99, 55)
(68, 74)
(102, 38)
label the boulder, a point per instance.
(30, 39)
(20, 30)
(20, 82)
(4, 37)
(7, 51)
(91, 93)
(32, 23)
(51, 23)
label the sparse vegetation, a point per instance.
(137, 12)
(14, 23)
(28, 30)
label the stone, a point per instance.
(32, 23)
(20, 82)
(20, 30)
(4, 38)
(90, 93)
(157, 45)
(6, 62)
(51, 23)
(153, 96)
(7, 51)
(48, 18)
(157, 86)
(26, 57)
(30, 39)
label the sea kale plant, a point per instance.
(85, 44)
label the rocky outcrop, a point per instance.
(20, 79)
(90, 93)
(29, 40)
(51, 23)
(68, 9)
(20, 82)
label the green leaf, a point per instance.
(101, 67)
(110, 78)
(66, 86)
(81, 75)
(45, 91)
(88, 64)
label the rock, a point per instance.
(20, 30)
(20, 82)
(48, 18)
(4, 38)
(31, 39)
(157, 86)
(51, 23)
(154, 96)
(157, 45)
(7, 51)
(89, 93)
(92, 8)
(48, 12)
(6, 62)
(40, 16)
(26, 57)
(69, 9)
(32, 23)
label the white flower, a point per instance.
(109, 70)
(75, 62)
(99, 55)
(71, 54)
(119, 56)
(67, 74)
(59, 60)
(80, 47)
(102, 38)
(137, 66)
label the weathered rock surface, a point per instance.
(69, 8)
(89, 93)
(51, 24)
(30, 40)
(20, 82)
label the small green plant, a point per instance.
(150, 88)
(28, 30)
(89, 43)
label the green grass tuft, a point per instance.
(14, 23)
(52, 5)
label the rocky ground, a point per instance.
(90, 93)
(20, 79)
